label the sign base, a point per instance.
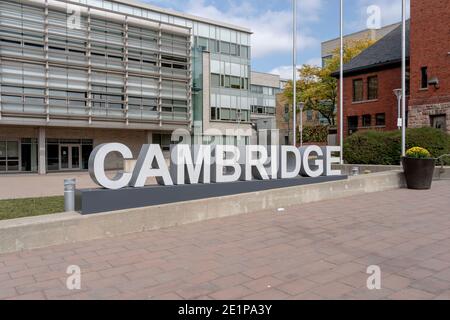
(89, 201)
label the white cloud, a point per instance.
(286, 72)
(272, 30)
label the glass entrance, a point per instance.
(9, 156)
(69, 157)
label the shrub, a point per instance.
(315, 134)
(418, 153)
(384, 148)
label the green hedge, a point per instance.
(384, 148)
(314, 134)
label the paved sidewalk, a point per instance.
(314, 251)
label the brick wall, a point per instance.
(430, 47)
(388, 80)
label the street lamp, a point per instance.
(398, 94)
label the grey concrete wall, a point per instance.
(265, 79)
(439, 173)
(38, 232)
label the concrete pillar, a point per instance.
(42, 151)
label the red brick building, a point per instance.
(430, 64)
(369, 83)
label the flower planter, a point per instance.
(419, 172)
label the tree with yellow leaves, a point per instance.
(317, 88)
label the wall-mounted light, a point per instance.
(434, 82)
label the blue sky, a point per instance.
(271, 23)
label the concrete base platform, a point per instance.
(44, 231)
(91, 201)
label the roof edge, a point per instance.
(378, 66)
(140, 4)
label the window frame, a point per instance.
(364, 119)
(424, 78)
(370, 95)
(377, 123)
(354, 98)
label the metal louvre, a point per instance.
(100, 70)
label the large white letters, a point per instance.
(330, 160)
(289, 166)
(217, 164)
(224, 161)
(97, 166)
(318, 163)
(191, 167)
(151, 163)
(256, 158)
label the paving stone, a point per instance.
(314, 251)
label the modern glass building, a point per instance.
(76, 74)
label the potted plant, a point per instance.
(419, 168)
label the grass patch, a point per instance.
(19, 208)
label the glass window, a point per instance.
(233, 49)
(213, 46)
(381, 119)
(215, 80)
(245, 52)
(366, 120)
(235, 83)
(2, 150)
(226, 81)
(225, 114)
(225, 47)
(203, 42)
(424, 81)
(372, 88)
(358, 91)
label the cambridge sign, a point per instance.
(207, 164)
(200, 172)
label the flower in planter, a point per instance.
(419, 168)
(418, 153)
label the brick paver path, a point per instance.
(315, 251)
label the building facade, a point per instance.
(329, 47)
(369, 83)
(430, 64)
(76, 74)
(265, 88)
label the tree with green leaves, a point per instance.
(317, 89)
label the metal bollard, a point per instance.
(69, 195)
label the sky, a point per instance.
(271, 24)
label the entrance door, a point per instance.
(69, 157)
